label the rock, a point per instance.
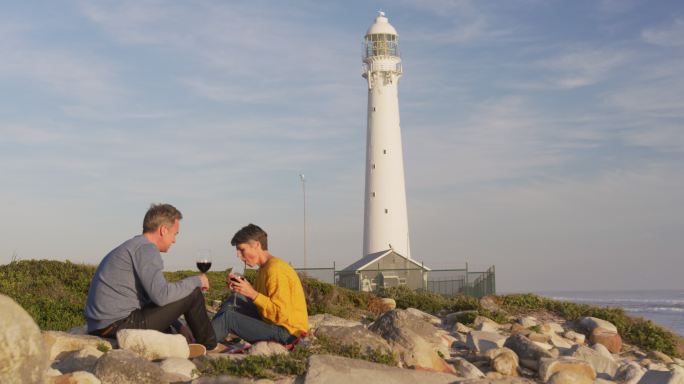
(551, 328)
(326, 319)
(503, 360)
(574, 336)
(481, 342)
(52, 372)
(466, 369)
(462, 328)
(661, 377)
(560, 342)
(544, 346)
(368, 340)
(657, 355)
(603, 381)
(388, 304)
(605, 366)
(580, 369)
(60, 342)
(569, 378)
(603, 351)
(152, 345)
(528, 352)
(22, 355)
(121, 366)
(629, 373)
(83, 360)
(267, 348)
(517, 328)
(489, 303)
(417, 342)
(611, 340)
(528, 321)
(179, 366)
(78, 377)
(434, 320)
(538, 337)
(460, 317)
(591, 323)
(327, 369)
(678, 361)
(480, 322)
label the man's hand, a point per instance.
(185, 331)
(241, 286)
(205, 282)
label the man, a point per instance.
(129, 289)
(275, 308)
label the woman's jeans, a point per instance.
(243, 319)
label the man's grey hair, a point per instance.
(160, 215)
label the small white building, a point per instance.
(383, 270)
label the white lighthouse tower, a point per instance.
(385, 216)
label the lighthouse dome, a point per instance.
(381, 25)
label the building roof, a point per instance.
(373, 257)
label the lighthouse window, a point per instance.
(384, 151)
(373, 194)
(372, 166)
(373, 109)
(385, 210)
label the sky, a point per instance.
(543, 137)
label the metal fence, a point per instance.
(448, 282)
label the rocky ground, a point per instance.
(428, 349)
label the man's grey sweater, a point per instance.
(128, 278)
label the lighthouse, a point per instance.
(385, 216)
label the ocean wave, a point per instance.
(656, 309)
(619, 301)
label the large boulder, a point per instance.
(568, 366)
(528, 321)
(480, 342)
(22, 355)
(466, 369)
(604, 365)
(591, 323)
(153, 345)
(417, 342)
(61, 342)
(316, 321)
(503, 360)
(367, 340)
(120, 366)
(629, 373)
(83, 360)
(528, 351)
(662, 377)
(326, 369)
(432, 319)
(78, 377)
(179, 366)
(609, 339)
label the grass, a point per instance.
(54, 294)
(293, 363)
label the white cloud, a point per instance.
(583, 67)
(667, 36)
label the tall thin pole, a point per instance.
(301, 176)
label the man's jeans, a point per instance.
(243, 320)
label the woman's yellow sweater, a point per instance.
(281, 297)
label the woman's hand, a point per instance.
(240, 285)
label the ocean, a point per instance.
(663, 307)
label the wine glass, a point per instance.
(204, 260)
(244, 269)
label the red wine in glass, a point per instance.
(203, 265)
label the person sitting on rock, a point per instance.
(129, 290)
(275, 308)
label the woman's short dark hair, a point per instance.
(250, 232)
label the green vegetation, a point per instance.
(294, 363)
(54, 294)
(638, 331)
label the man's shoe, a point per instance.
(219, 348)
(197, 350)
